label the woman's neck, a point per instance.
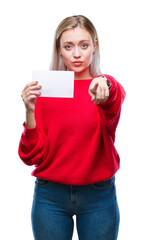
(82, 75)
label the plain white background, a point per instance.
(27, 29)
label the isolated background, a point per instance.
(27, 29)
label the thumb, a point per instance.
(92, 88)
(92, 91)
(93, 97)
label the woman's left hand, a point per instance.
(99, 90)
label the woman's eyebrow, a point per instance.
(84, 41)
(69, 42)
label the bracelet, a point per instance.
(107, 81)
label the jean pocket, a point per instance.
(105, 184)
(41, 182)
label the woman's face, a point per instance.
(76, 48)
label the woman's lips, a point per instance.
(77, 63)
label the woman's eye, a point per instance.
(67, 47)
(84, 45)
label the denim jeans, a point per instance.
(95, 206)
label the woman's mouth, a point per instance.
(77, 63)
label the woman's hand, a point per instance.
(30, 94)
(99, 90)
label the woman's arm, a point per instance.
(32, 140)
(109, 101)
(29, 96)
(31, 146)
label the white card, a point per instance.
(55, 83)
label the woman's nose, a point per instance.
(77, 53)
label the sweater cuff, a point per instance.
(30, 133)
(111, 80)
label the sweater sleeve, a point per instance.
(111, 109)
(31, 146)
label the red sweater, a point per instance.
(73, 141)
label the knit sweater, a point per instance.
(73, 141)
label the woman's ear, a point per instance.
(59, 50)
(95, 46)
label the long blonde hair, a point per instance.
(57, 62)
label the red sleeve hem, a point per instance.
(30, 132)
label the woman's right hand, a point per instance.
(30, 94)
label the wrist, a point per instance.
(107, 81)
(30, 119)
(30, 113)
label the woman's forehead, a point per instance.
(76, 34)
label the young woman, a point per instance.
(71, 142)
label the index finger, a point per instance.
(31, 84)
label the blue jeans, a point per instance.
(95, 206)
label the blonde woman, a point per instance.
(71, 142)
